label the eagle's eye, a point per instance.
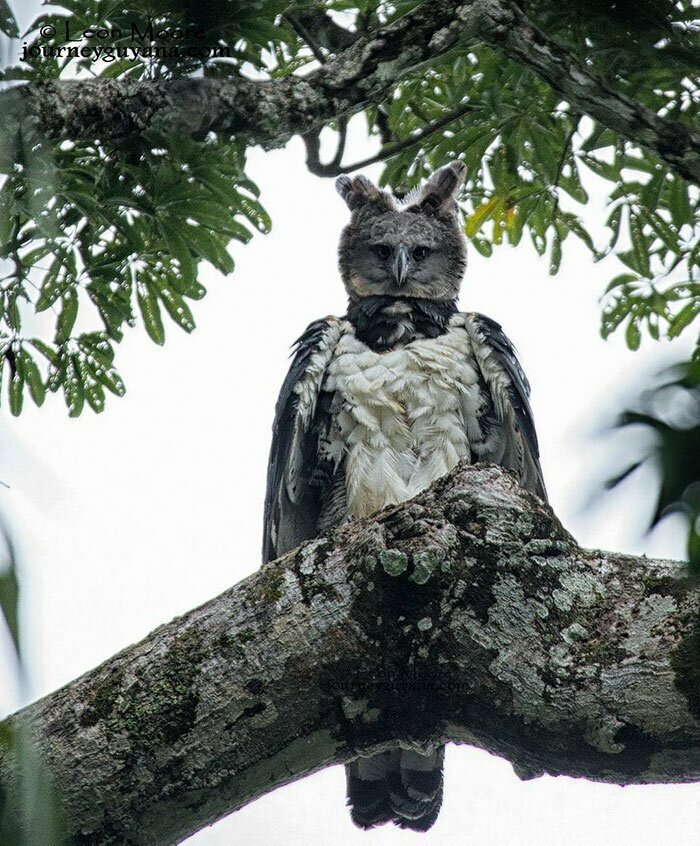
(420, 253)
(382, 251)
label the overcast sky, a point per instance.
(127, 519)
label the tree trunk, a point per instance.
(271, 112)
(467, 614)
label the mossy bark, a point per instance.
(468, 615)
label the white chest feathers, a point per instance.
(405, 417)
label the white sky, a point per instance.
(129, 518)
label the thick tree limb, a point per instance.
(467, 614)
(271, 112)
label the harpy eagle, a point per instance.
(380, 403)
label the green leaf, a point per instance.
(30, 372)
(629, 257)
(67, 317)
(680, 209)
(9, 602)
(206, 212)
(57, 371)
(555, 255)
(221, 185)
(661, 229)
(602, 169)
(641, 163)
(640, 246)
(684, 318)
(254, 212)
(651, 193)
(94, 392)
(523, 209)
(13, 315)
(114, 306)
(209, 246)
(614, 313)
(480, 215)
(73, 387)
(547, 147)
(54, 285)
(572, 185)
(150, 310)
(613, 223)
(539, 242)
(178, 248)
(16, 393)
(474, 144)
(97, 343)
(483, 247)
(575, 225)
(176, 307)
(109, 377)
(653, 326)
(98, 357)
(621, 279)
(240, 232)
(44, 349)
(7, 224)
(633, 336)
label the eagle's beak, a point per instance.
(401, 262)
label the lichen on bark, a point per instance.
(467, 614)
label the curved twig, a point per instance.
(334, 168)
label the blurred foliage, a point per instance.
(30, 814)
(670, 412)
(9, 590)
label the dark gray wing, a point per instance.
(297, 474)
(518, 391)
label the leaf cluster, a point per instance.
(92, 238)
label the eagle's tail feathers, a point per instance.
(402, 786)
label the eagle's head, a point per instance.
(413, 247)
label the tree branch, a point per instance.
(264, 112)
(271, 112)
(335, 168)
(466, 615)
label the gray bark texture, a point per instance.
(467, 614)
(271, 112)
